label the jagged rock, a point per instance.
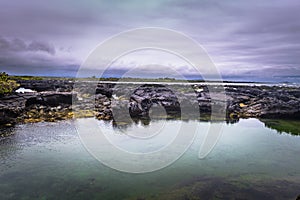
(145, 96)
(14, 107)
(107, 99)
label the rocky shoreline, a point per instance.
(56, 100)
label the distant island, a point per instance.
(122, 79)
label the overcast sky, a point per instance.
(243, 38)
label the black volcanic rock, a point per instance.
(144, 97)
(13, 107)
(107, 99)
(51, 99)
(105, 89)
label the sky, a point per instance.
(243, 38)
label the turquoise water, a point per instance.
(249, 161)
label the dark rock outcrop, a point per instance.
(13, 107)
(51, 99)
(263, 101)
(105, 89)
(111, 101)
(146, 96)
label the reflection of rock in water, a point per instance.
(125, 123)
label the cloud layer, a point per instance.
(244, 38)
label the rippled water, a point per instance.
(250, 161)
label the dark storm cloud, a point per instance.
(242, 37)
(32, 57)
(256, 36)
(16, 45)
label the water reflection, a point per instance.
(289, 126)
(47, 160)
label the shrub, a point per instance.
(7, 86)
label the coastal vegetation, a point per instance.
(6, 84)
(290, 126)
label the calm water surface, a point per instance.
(250, 161)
